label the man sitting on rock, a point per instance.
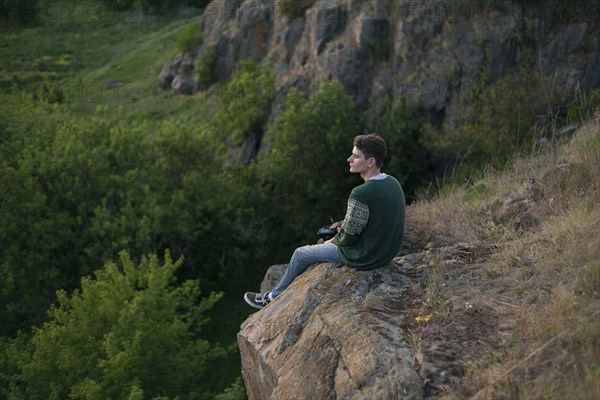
(372, 231)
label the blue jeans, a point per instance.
(303, 258)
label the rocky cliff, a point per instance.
(430, 50)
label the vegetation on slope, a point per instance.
(542, 281)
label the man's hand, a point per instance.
(327, 241)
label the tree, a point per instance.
(312, 139)
(131, 332)
(401, 125)
(22, 12)
(245, 101)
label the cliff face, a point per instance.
(430, 51)
(422, 50)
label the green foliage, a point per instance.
(130, 332)
(80, 190)
(294, 9)
(189, 39)
(153, 6)
(245, 101)
(380, 49)
(312, 139)
(49, 93)
(22, 12)
(236, 391)
(497, 121)
(585, 107)
(402, 127)
(205, 74)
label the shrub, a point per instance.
(22, 12)
(497, 120)
(246, 101)
(205, 74)
(402, 127)
(312, 139)
(585, 107)
(189, 39)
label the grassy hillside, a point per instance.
(540, 283)
(85, 51)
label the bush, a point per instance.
(205, 75)
(497, 121)
(585, 107)
(245, 101)
(312, 139)
(402, 127)
(21, 12)
(189, 39)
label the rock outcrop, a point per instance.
(430, 50)
(178, 75)
(334, 333)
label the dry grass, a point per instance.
(543, 283)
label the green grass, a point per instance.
(81, 54)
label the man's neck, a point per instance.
(369, 174)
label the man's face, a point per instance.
(358, 162)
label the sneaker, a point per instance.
(258, 300)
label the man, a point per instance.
(372, 231)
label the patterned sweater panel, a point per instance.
(357, 216)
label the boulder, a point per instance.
(165, 78)
(335, 332)
(181, 86)
(272, 277)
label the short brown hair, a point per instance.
(372, 145)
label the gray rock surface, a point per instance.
(334, 333)
(272, 277)
(167, 74)
(181, 86)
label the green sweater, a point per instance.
(373, 228)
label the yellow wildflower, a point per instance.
(424, 318)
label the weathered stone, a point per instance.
(272, 277)
(181, 86)
(557, 52)
(166, 76)
(334, 333)
(186, 66)
(330, 20)
(437, 50)
(591, 74)
(249, 148)
(370, 31)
